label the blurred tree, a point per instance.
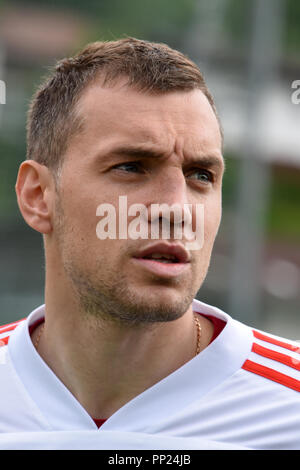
(283, 217)
(163, 20)
(292, 30)
(12, 153)
(237, 24)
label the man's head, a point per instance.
(125, 118)
(147, 67)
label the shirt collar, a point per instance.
(191, 382)
(223, 357)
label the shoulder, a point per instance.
(264, 358)
(6, 331)
(275, 359)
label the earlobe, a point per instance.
(34, 189)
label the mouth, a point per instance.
(162, 259)
(165, 253)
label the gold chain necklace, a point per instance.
(196, 319)
(39, 336)
(198, 325)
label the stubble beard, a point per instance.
(116, 300)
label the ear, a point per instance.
(35, 194)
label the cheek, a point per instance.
(212, 219)
(82, 220)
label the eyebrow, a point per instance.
(137, 151)
(207, 161)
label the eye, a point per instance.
(129, 167)
(201, 175)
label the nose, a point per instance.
(169, 201)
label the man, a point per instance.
(120, 356)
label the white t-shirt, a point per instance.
(241, 392)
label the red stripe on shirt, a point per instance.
(268, 339)
(276, 356)
(9, 327)
(272, 375)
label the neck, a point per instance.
(105, 365)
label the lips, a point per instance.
(174, 253)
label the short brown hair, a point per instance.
(149, 67)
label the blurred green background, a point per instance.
(249, 52)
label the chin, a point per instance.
(160, 304)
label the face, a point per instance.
(153, 149)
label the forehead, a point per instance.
(122, 114)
